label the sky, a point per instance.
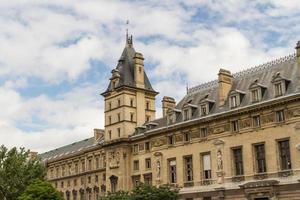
(56, 55)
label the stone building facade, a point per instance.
(237, 137)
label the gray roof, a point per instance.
(261, 75)
(70, 149)
(125, 67)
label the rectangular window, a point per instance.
(260, 158)
(147, 146)
(147, 118)
(148, 163)
(82, 166)
(256, 121)
(278, 89)
(187, 137)
(76, 168)
(136, 181)
(172, 171)
(255, 97)
(148, 179)
(119, 117)
(238, 161)
(109, 134)
(233, 101)
(63, 171)
(186, 114)
(75, 182)
(70, 169)
(136, 165)
(284, 154)
(203, 132)
(131, 117)
(188, 167)
(170, 139)
(97, 162)
(203, 110)
(279, 116)
(135, 148)
(90, 164)
(89, 179)
(62, 184)
(109, 105)
(119, 102)
(147, 105)
(235, 126)
(206, 165)
(131, 102)
(109, 119)
(96, 178)
(119, 132)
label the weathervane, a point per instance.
(128, 39)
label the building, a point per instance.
(237, 137)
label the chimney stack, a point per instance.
(98, 133)
(225, 83)
(139, 70)
(167, 103)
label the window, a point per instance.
(284, 154)
(238, 161)
(82, 166)
(203, 132)
(260, 158)
(114, 84)
(171, 140)
(256, 121)
(96, 178)
(131, 117)
(278, 89)
(280, 116)
(68, 183)
(57, 172)
(62, 184)
(188, 167)
(75, 182)
(136, 165)
(233, 101)
(89, 179)
(254, 95)
(90, 164)
(148, 179)
(119, 117)
(131, 102)
(148, 163)
(203, 110)
(82, 180)
(172, 171)
(147, 105)
(97, 162)
(109, 119)
(147, 146)
(135, 148)
(76, 167)
(119, 132)
(109, 134)
(187, 137)
(119, 102)
(136, 180)
(63, 171)
(109, 105)
(70, 169)
(206, 166)
(186, 114)
(235, 126)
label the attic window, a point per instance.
(255, 95)
(280, 84)
(257, 91)
(233, 101)
(278, 89)
(204, 110)
(236, 98)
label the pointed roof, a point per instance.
(125, 70)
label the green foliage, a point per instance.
(146, 192)
(40, 190)
(17, 171)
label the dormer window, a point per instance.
(173, 114)
(280, 84)
(233, 101)
(186, 114)
(257, 91)
(203, 110)
(236, 98)
(206, 105)
(278, 89)
(188, 110)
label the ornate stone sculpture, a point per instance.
(219, 160)
(114, 159)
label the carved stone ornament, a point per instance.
(218, 142)
(114, 159)
(158, 162)
(260, 189)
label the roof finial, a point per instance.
(187, 88)
(128, 39)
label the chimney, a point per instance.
(225, 83)
(167, 103)
(33, 155)
(98, 133)
(139, 70)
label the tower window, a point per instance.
(119, 132)
(109, 134)
(109, 105)
(119, 117)
(119, 102)
(147, 118)
(131, 117)
(147, 105)
(109, 119)
(131, 102)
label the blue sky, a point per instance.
(56, 56)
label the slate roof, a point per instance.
(262, 75)
(125, 67)
(70, 149)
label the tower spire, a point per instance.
(128, 38)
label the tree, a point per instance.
(146, 192)
(40, 190)
(17, 171)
